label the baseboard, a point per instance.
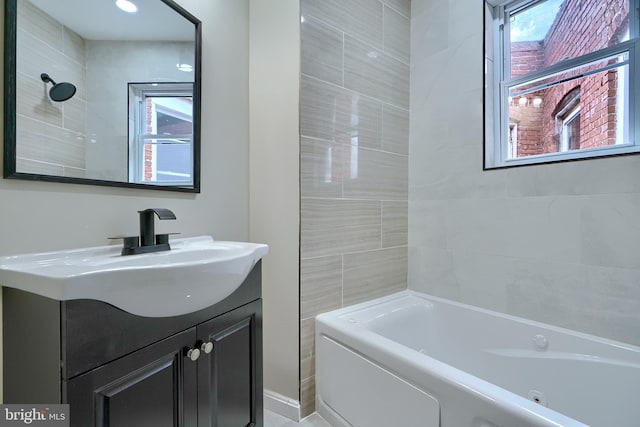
(282, 405)
(330, 415)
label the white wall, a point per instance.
(555, 243)
(36, 216)
(274, 219)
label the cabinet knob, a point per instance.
(206, 347)
(193, 354)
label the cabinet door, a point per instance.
(230, 377)
(152, 387)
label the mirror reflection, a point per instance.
(105, 92)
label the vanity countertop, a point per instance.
(196, 273)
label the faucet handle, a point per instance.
(129, 241)
(162, 239)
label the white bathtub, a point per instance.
(410, 359)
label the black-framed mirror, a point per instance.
(99, 93)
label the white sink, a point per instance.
(197, 272)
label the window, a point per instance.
(567, 116)
(570, 132)
(161, 133)
(562, 74)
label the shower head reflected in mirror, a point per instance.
(60, 91)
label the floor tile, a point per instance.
(272, 419)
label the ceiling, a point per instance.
(103, 20)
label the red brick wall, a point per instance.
(529, 120)
(525, 58)
(574, 33)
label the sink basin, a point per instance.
(196, 273)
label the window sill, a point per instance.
(592, 153)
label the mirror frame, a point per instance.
(10, 149)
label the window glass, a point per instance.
(570, 137)
(169, 124)
(551, 31)
(167, 160)
(540, 114)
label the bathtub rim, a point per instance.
(341, 312)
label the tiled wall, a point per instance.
(354, 125)
(555, 243)
(51, 134)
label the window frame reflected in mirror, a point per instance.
(161, 133)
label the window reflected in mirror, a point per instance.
(161, 133)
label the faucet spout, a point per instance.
(147, 226)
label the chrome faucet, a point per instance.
(148, 241)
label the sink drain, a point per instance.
(537, 397)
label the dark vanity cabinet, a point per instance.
(155, 386)
(115, 369)
(226, 392)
